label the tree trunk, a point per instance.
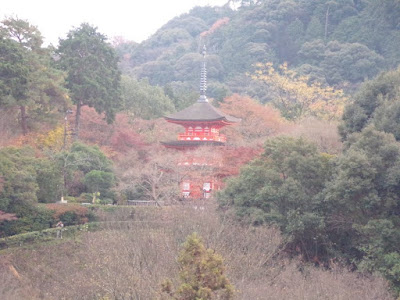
(154, 194)
(24, 124)
(77, 120)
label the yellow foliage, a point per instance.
(295, 96)
(54, 139)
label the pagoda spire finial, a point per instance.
(203, 78)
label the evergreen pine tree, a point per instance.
(202, 274)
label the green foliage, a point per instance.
(363, 189)
(30, 218)
(315, 29)
(142, 100)
(18, 172)
(282, 188)
(182, 94)
(193, 25)
(49, 180)
(25, 180)
(380, 243)
(28, 79)
(157, 72)
(79, 161)
(100, 181)
(93, 76)
(362, 206)
(86, 158)
(376, 102)
(342, 62)
(13, 71)
(201, 273)
(387, 115)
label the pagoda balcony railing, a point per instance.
(201, 137)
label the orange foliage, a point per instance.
(215, 26)
(114, 139)
(235, 158)
(34, 138)
(31, 139)
(60, 209)
(25, 140)
(46, 138)
(258, 121)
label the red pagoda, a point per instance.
(202, 123)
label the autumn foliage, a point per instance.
(215, 26)
(235, 157)
(118, 137)
(258, 121)
(297, 96)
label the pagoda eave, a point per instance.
(221, 122)
(191, 144)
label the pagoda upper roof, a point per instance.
(201, 111)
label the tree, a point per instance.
(13, 71)
(202, 274)
(122, 136)
(362, 204)
(49, 180)
(99, 181)
(182, 94)
(315, 29)
(282, 188)
(28, 78)
(375, 102)
(387, 115)
(93, 76)
(77, 162)
(141, 100)
(352, 62)
(19, 194)
(295, 96)
(258, 121)
(152, 176)
(18, 172)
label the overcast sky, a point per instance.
(134, 20)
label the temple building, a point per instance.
(202, 123)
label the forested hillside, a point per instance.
(340, 43)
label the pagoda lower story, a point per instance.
(194, 189)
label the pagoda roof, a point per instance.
(201, 112)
